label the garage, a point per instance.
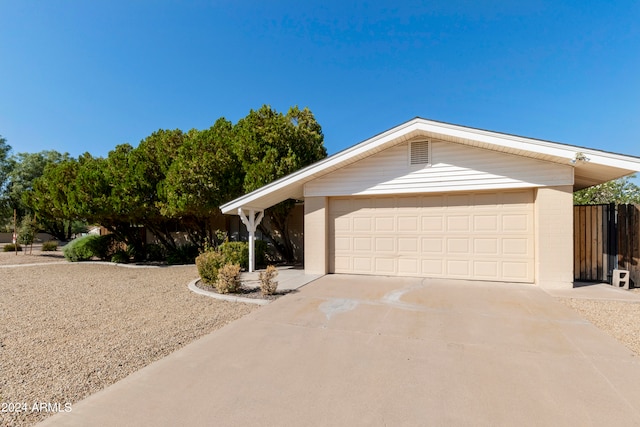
(481, 235)
(439, 200)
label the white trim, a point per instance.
(283, 188)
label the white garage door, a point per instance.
(480, 236)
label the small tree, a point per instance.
(27, 230)
(619, 191)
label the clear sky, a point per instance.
(80, 76)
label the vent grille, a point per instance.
(420, 153)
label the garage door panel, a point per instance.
(408, 245)
(362, 244)
(385, 265)
(487, 236)
(385, 224)
(458, 224)
(457, 246)
(433, 245)
(385, 244)
(432, 223)
(362, 224)
(432, 267)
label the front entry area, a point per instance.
(474, 235)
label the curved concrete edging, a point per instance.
(193, 288)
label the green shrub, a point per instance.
(235, 253)
(50, 246)
(10, 247)
(79, 249)
(120, 257)
(228, 279)
(155, 252)
(86, 247)
(183, 254)
(208, 264)
(268, 286)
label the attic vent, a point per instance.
(420, 153)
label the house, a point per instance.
(432, 199)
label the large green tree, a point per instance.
(204, 174)
(269, 146)
(619, 191)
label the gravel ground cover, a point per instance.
(70, 330)
(619, 319)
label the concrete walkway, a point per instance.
(358, 350)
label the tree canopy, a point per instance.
(176, 181)
(619, 191)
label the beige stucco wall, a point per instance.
(316, 234)
(554, 236)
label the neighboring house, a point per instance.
(432, 199)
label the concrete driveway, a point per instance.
(360, 350)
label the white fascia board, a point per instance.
(316, 169)
(418, 125)
(532, 145)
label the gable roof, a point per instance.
(597, 167)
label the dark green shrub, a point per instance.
(183, 254)
(228, 279)
(235, 253)
(120, 257)
(155, 252)
(50, 246)
(10, 247)
(208, 264)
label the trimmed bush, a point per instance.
(50, 246)
(228, 279)
(10, 247)
(268, 286)
(208, 264)
(235, 253)
(80, 249)
(86, 247)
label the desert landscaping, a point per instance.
(72, 329)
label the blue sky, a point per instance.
(79, 76)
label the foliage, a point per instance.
(175, 181)
(268, 286)
(154, 252)
(79, 249)
(50, 246)
(182, 254)
(120, 257)
(5, 168)
(10, 247)
(269, 146)
(213, 177)
(208, 264)
(27, 230)
(87, 247)
(235, 253)
(228, 279)
(619, 191)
